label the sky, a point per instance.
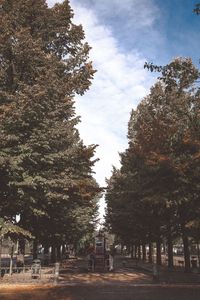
(123, 35)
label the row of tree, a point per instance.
(45, 169)
(155, 196)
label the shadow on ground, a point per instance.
(142, 292)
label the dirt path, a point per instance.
(75, 283)
(105, 292)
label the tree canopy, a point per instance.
(46, 169)
(160, 168)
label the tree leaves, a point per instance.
(157, 183)
(8, 229)
(48, 171)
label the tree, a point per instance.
(184, 140)
(197, 9)
(43, 64)
(164, 134)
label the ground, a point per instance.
(102, 292)
(130, 281)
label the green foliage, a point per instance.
(8, 229)
(196, 10)
(47, 171)
(179, 74)
(159, 190)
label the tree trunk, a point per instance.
(139, 251)
(1, 241)
(122, 247)
(11, 260)
(131, 251)
(46, 249)
(170, 250)
(135, 252)
(35, 244)
(158, 252)
(150, 253)
(22, 246)
(198, 253)
(186, 249)
(63, 250)
(46, 254)
(144, 252)
(53, 254)
(58, 253)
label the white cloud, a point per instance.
(135, 13)
(120, 83)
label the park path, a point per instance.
(126, 271)
(75, 272)
(128, 281)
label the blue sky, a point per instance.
(159, 29)
(123, 35)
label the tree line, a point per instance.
(46, 174)
(155, 196)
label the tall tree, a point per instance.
(164, 132)
(43, 64)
